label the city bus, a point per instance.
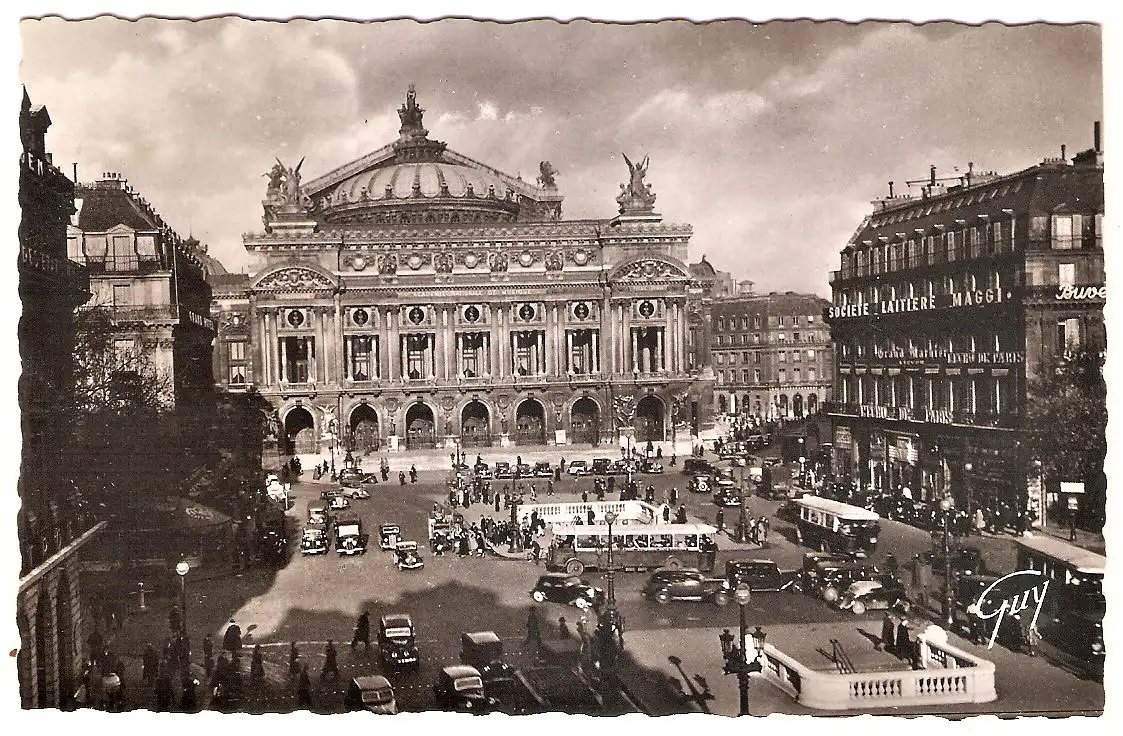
(833, 526)
(1074, 604)
(634, 547)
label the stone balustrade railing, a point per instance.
(948, 675)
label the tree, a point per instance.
(114, 370)
(1066, 429)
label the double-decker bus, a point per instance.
(1074, 604)
(833, 526)
(634, 547)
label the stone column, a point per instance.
(431, 337)
(261, 342)
(320, 347)
(568, 353)
(347, 359)
(635, 351)
(659, 349)
(540, 359)
(596, 352)
(284, 362)
(390, 330)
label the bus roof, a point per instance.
(844, 510)
(1079, 558)
(601, 530)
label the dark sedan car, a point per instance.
(397, 642)
(759, 575)
(686, 585)
(560, 587)
(543, 470)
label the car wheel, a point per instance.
(721, 599)
(662, 597)
(538, 596)
(858, 608)
(582, 604)
(830, 594)
(575, 567)
(673, 563)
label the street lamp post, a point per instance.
(609, 621)
(182, 569)
(949, 601)
(967, 485)
(737, 662)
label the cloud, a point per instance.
(769, 139)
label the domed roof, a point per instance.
(416, 179)
(426, 179)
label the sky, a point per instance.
(769, 139)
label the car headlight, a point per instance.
(1097, 647)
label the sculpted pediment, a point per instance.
(649, 269)
(295, 278)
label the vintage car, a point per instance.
(523, 470)
(602, 466)
(356, 493)
(871, 595)
(356, 478)
(701, 484)
(725, 478)
(579, 467)
(397, 642)
(686, 585)
(756, 441)
(317, 515)
(371, 693)
(329, 493)
(314, 539)
(651, 467)
(698, 466)
(543, 469)
(621, 467)
(408, 557)
(760, 575)
(788, 511)
(827, 575)
(482, 471)
(349, 537)
(560, 587)
(484, 651)
(461, 688)
(503, 470)
(388, 536)
(339, 503)
(727, 497)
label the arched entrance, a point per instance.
(64, 630)
(420, 427)
(745, 404)
(43, 625)
(475, 425)
(299, 431)
(649, 420)
(783, 405)
(584, 422)
(812, 403)
(797, 406)
(530, 423)
(364, 429)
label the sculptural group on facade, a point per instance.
(636, 194)
(546, 174)
(283, 189)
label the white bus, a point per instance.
(634, 547)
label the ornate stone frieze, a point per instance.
(651, 269)
(295, 278)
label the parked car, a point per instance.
(317, 515)
(760, 575)
(701, 484)
(371, 693)
(461, 688)
(602, 466)
(523, 470)
(871, 595)
(578, 467)
(356, 478)
(686, 585)
(560, 587)
(698, 466)
(329, 493)
(349, 537)
(619, 467)
(727, 497)
(484, 651)
(543, 469)
(407, 557)
(397, 642)
(503, 470)
(388, 537)
(828, 575)
(482, 471)
(314, 539)
(339, 503)
(651, 467)
(356, 493)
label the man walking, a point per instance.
(362, 631)
(232, 639)
(331, 665)
(304, 688)
(533, 632)
(720, 521)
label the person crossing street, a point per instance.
(362, 631)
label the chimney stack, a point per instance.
(1064, 157)
(932, 174)
(890, 190)
(1096, 137)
